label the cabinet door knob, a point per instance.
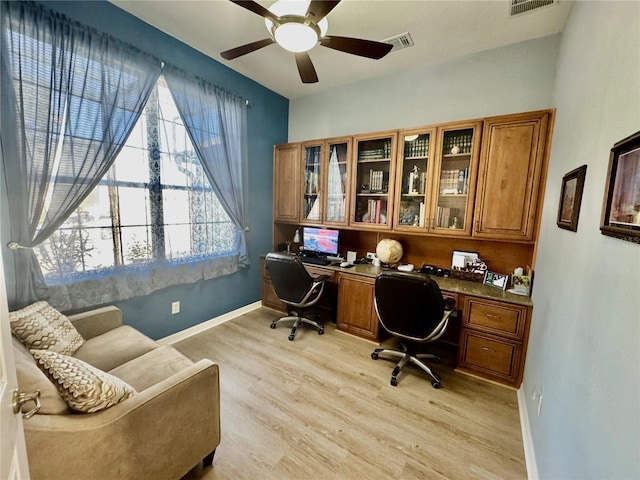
(487, 349)
(488, 315)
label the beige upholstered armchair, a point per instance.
(162, 431)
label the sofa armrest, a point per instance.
(161, 432)
(97, 321)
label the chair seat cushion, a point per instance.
(115, 347)
(152, 367)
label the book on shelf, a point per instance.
(375, 211)
(377, 180)
(454, 182)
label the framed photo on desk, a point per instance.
(497, 280)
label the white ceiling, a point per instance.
(441, 30)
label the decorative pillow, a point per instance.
(84, 388)
(41, 327)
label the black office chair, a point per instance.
(410, 306)
(296, 288)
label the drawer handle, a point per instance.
(498, 317)
(487, 349)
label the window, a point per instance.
(154, 205)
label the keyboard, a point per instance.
(315, 260)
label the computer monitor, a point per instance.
(321, 241)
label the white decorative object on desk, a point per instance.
(406, 267)
(389, 251)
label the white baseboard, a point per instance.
(201, 327)
(527, 440)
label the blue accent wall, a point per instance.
(267, 125)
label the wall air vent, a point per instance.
(523, 6)
(399, 42)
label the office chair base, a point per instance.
(406, 356)
(297, 321)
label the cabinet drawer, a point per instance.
(491, 357)
(499, 318)
(315, 271)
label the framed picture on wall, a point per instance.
(621, 206)
(571, 198)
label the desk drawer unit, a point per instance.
(314, 271)
(493, 339)
(491, 356)
(269, 297)
(494, 317)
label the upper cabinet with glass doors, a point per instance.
(326, 181)
(312, 171)
(373, 180)
(413, 184)
(454, 176)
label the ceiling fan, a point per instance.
(299, 29)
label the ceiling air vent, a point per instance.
(399, 42)
(523, 6)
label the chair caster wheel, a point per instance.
(394, 381)
(374, 355)
(321, 331)
(273, 324)
(291, 337)
(435, 384)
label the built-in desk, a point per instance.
(491, 332)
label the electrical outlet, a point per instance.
(175, 308)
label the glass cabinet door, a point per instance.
(312, 183)
(337, 186)
(414, 172)
(455, 178)
(373, 181)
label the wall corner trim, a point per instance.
(201, 327)
(527, 440)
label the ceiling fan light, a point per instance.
(296, 37)
(294, 11)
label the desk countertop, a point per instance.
(452, 285)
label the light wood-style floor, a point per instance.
(320, 408)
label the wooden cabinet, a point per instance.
(269, 297)
(493, 339)
(326, 181)
(413, 185)
(510, 176)
(454, 179)
(356, 310)
(286, 183)
(372, 184)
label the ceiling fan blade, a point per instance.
(244, 49)
(318, 9)
(357, 46)
(257, 8)
(305, 68)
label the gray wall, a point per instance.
(584, 344)
(585, 337)
(511, 79)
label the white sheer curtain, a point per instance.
(70, 97)
(216, 122)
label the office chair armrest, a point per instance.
(321, 278)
